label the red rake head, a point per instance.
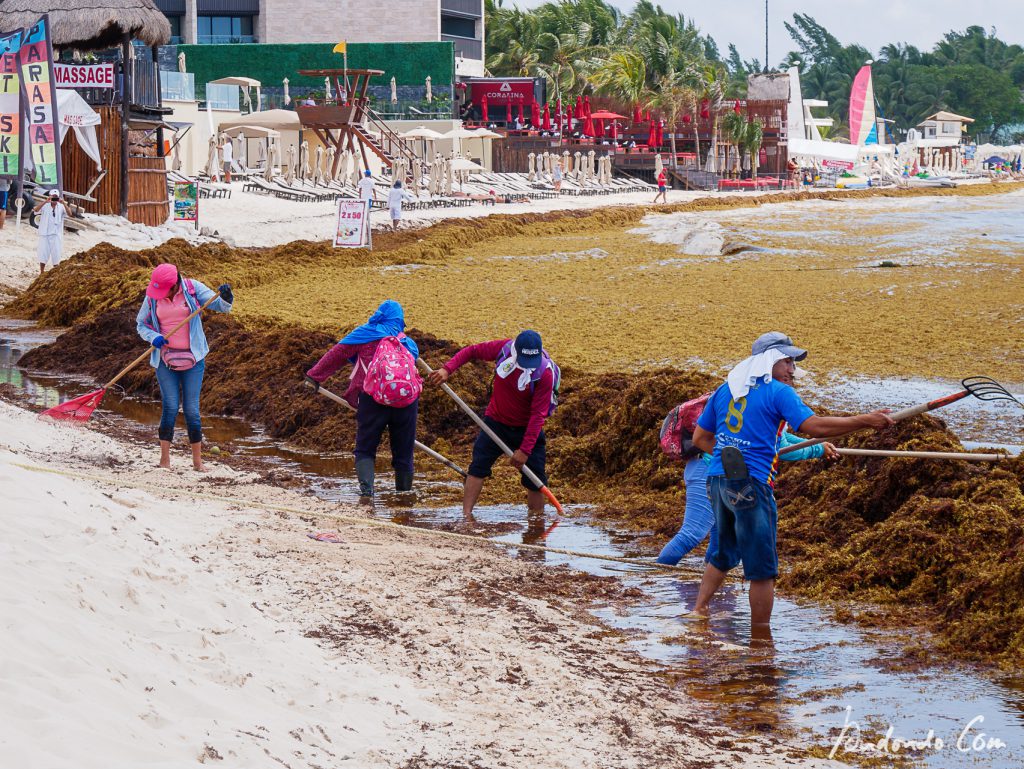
(78, 409)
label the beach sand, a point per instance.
(148, 623)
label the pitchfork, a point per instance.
(981, 387)
(80, 409)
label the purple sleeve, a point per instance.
(540, 403)
(332, 361)
(482, 351)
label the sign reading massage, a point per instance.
(41, 103)
(10, 106)
(84, 75)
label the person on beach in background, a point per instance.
(556, 176)
(699, 518)
(741, 428)
(179, 359)
(662, 187)
(227, 156)
(52, 213)
(396, 196)
(5, 190)
(367, 191)
(523, 395)
(373, 412)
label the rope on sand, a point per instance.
(359, 520)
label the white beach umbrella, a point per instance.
(531, 167)
(658, 164)
(181, 62)
(213, 160)
(342, 175)
(355, 170)
(430, 93)
(394, 91)
(268, 167)
(417, 176)
(566, 168)
(327, 88)
(289, 172)
(287, 96)
(448, 177)
(176, 161)
(577, 172)
(318, 166)
(239, 159)
(304, 169)
(591, 166)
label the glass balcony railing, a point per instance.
(177, 86)
(222, 96)
(224, 39)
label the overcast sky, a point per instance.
(872, 23)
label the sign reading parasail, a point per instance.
(41, 103)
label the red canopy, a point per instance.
(588, 126)
(547, 118)
(483, 109)
(606, 115)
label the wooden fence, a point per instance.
(147, 176)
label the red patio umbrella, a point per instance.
(547, 118)
(660, 137)
(588, 126)
(586, 105)
(615, 130)
(607, 115)
(568, 118)
(636, 113)
(483, 108)
(534, 109)
(508, 112)
(598, 127)
(520, 105)
(579, 108)
(687, 118)
(704, 109)
(652, 136)
(736, 107)
(647, 116)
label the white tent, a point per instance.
(73, 112)
(245, 83)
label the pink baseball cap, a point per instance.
(164, 277)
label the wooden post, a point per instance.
(126, 95)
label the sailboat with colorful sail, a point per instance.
(863, 125)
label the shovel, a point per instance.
(532, 476)
(422, 447)
(981, 387)
(80, 409)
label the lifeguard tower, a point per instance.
(346, 122)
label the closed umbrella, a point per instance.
(660, 140)
(448, 178)
(483, 110)
(598, 129)
(588, 126)
(328, 169)
(268, 168)
(565, 162)
(181, 62)
(241, 159)
(636, 113)
(304, 169)
(430, 92)
(508, 112)
(289, 173)
(547, 118)
(577, 171)
(591, 164)
(522, 118)
(652, 137)
(417, 176)
(394, 91)
(213, 160)
(327, 89)
(354, 170)
(615, 131)
(658, 164)
(531, 167)
(287, 96)
(318, 164)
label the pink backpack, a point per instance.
(391, 376)
(676, 436)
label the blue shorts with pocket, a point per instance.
(486, 452)
(747, 518)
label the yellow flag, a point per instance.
(340, 47)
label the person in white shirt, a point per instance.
(227, 153)
(51, 229)
(366, 189)
(395, 198)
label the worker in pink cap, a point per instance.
(180, 357)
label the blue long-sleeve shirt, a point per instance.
(148, 325)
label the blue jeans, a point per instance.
(177, 388)
(747, 518)
(698, 518)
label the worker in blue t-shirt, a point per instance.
(741, 428)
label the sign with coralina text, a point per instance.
(353, 230)
(41, 103)
(84, 75)
(10, 106)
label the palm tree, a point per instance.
(711, 80)
(622, 75)
(672, 98)
(747, 135)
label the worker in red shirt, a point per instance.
(523, 395)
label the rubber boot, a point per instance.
(364, 472)
(403, 480)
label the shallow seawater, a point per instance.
(805, 679)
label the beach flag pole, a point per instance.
(532, 476)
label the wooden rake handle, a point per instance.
(532, 476)
(147, 353)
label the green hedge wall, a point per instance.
(408, 63)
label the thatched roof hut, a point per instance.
(90, 26)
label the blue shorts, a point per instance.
(661, 188)
(3, 200)
(486, 452)
(747, 518)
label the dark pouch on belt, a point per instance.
(733, 464)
